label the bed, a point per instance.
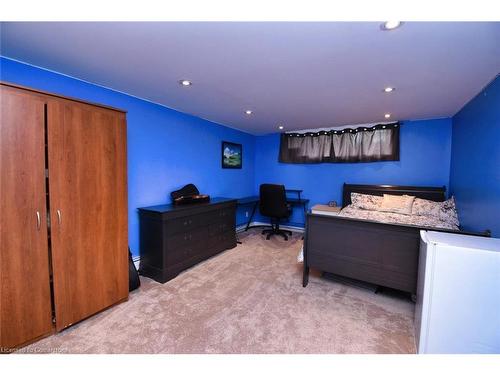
(381, 253)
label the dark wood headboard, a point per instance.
(436, 194)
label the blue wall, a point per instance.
(424, 160)
(475, 163)
(166, 148)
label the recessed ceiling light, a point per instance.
(248, 112)
(390, 25)
(387, 115)
(281, 127)
(185, 82)
(389, 89)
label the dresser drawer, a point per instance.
(220, 227)
(224, 238)
(226, 213)
(182, 254)
(186, 239)
(182, 224)
(215, 216)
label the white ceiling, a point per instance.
(302, 75)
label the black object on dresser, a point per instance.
(174, 238)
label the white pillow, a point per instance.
(400, 204)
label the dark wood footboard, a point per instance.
(378, 253)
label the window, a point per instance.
(350, 145)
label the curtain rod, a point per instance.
(340, 128)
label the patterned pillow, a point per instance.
(443, 211)
(399, 204)
(366, 201)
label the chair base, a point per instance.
(275, 230)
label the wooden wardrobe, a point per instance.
(63, 212)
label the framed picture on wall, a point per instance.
(232, 155)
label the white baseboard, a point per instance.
(136, 261)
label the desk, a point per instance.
(295, 191)
(254, 200)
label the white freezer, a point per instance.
(458, 294)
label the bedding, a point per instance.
(396, 218)
(445, 211)
(392, 209)
(366, 201)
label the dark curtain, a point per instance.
(362, 144)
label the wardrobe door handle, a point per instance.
(38, 221)
(59, 218)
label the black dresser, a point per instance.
(173, 238)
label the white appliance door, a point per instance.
(465, 301)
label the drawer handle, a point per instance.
(38, 221)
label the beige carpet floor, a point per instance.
(248, 299)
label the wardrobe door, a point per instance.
(88, 209)
(25, 303)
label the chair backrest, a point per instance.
(273, 201)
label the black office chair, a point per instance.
(273, 204)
